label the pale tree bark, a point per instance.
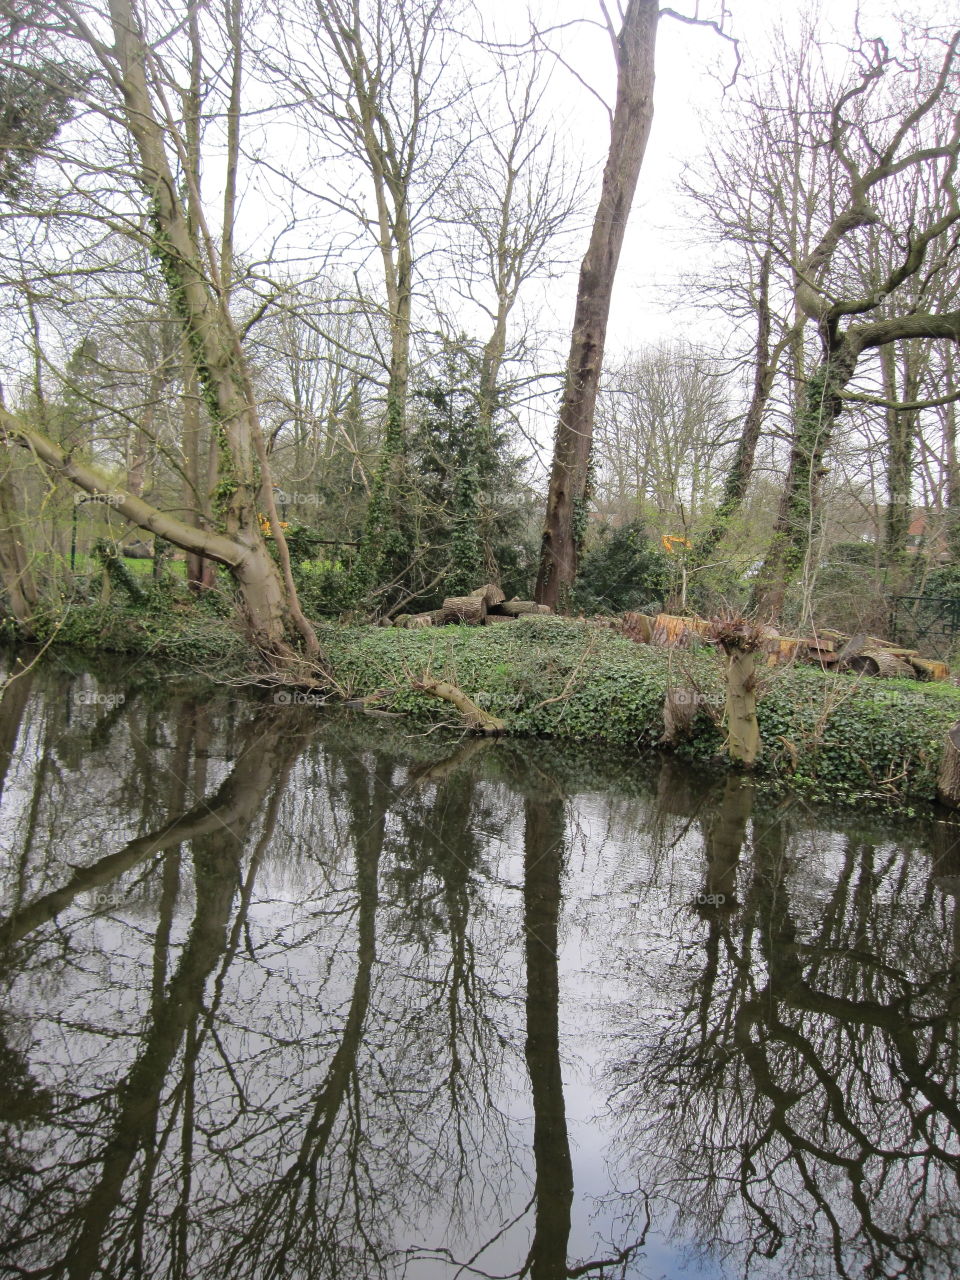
(15, 572)
(568, 495)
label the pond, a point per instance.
(289, 992)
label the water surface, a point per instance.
(289, 993)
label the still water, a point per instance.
(294, 993)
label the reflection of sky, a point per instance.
(629, 943)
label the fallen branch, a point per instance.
(476, 718)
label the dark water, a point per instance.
(288, 993)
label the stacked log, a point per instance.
(484, 605)
(491, 593)
(413, 621)
(516, 608)
(471, 610)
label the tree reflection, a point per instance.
(803, 1104)
(297, 1008)
(543, 856)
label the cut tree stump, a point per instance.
(948, 780)
(491, 593)
(467, 609)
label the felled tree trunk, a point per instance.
(475, 717)
(469, 609)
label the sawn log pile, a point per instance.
(831, 650)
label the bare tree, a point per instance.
(133, 99)
(633, 47)
(895, 117)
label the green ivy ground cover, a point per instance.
(831, 737)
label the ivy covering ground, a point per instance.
(831, 737)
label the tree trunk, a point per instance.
(569, 479)
(15, 574)
(901, 428)
(192, 281)
(792, 529)
(741, 469)
(743, 732)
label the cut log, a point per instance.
(881, 663)
(491, 593)
(929, 669)
(468, 609)
(516, 608)
(782, 650)
(497, 617)
(542, 610)
(637, 627)
(420, 620)
(670, 631)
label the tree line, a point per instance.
(273, 283)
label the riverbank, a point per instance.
(830, 737)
